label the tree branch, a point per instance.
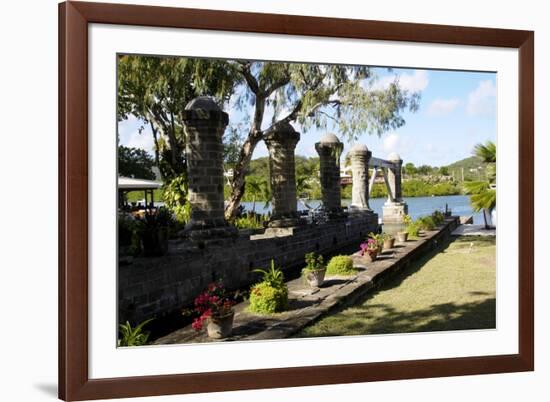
(249, 78)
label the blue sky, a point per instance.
(457, 110)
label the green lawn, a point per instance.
(452, 288)
(134, 196)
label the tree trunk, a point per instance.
(239, 174)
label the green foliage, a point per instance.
(133, 336)
(135, 162)
(410, 169)
(154, 89)
(129, 234)
(257, 189)
(378, 238)
(387, 236)
(273, 276)
(426, 223)
(481, 195)
(438, 217)
(266, 299)
(250, 221)
(175, 197)
(412, 229)
(314, 262)
(412, 188)
(271, 294)
(474, 169)
(340, 265)
(486, 152)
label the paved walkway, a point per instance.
(306, 305)
(473, 230)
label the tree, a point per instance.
(410, 169)
(135, 162)
(483, 196)
(424, 170)
(486, 152)
(444, 170)
(312, 96)
(156, 89)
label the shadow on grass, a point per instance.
(365, 318)
(442, 247)
(441, 317)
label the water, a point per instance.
(418, 206)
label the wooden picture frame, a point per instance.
(74, 381)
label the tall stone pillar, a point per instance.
(360, 156)
(329, 149)
(281, 143)
(395, 208)
(204, 124)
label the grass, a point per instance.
(452, 288)
(134, 196)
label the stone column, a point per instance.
(281, 143)
(395, 208)
(204, 124)
(329, 149)
(360, 156)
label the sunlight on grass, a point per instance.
(452, 288)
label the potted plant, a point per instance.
(271, 294)
(216, 308)
(369, 250)
(389, 241)
(314, 271)
(403, 236)
(379, 239)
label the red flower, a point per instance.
(212, 302)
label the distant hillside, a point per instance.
(474, 168)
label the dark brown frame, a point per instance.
(74, 17)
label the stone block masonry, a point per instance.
(307, 305)
(150, 287)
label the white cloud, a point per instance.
(441, 107)
(482, 101)
(414, 81)
(395, 143)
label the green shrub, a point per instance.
(266, 299)
(340, 265)
(438, 217)
(133, 336)
(271, 294)
(426, 223)
(412, 229)
(250, 221)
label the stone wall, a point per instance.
(151, 287)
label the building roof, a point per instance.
(131, 184)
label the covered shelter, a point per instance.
(128, 184)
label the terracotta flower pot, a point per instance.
(389, 243)
(402, 237)
(220, 327)
(370, 256)
(316, 278)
